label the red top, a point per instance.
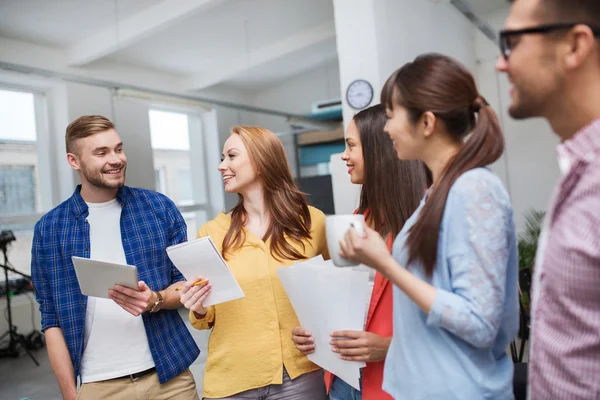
(379, 321)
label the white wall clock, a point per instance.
(359, 94)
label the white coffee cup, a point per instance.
(336, 227)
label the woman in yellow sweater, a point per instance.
(250, 351)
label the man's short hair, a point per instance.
(83, 127)
(580, 11)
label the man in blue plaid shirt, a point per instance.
(133, 344)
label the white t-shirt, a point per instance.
(115, 341)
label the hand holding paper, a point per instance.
(193, 295)
(360, 345)
(303, 340)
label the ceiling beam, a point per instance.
(233, 65)
(482, 25)
(37, 67)
(135, 28)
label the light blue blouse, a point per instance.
(458, 351)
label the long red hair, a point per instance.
(288, 207)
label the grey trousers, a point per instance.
(309, 386)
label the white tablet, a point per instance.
(96, 278)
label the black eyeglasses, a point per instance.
(505, 35)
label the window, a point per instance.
(24, 164)
(159, 180)
(184, 187)
(17, 190)
(170, 136)
(18, 160)
(17, 116)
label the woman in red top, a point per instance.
(391, 192)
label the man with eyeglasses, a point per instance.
(551, 54)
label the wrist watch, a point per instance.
(159, 302)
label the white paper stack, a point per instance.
(328, 299)
(200, 257)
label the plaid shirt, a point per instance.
(565, 346)
(150, 222)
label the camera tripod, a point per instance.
(14, 338)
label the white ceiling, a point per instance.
(248, 44)
(486, 7)
(236, 27)
(245, 43)
(63, 22)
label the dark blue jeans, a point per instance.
(340, 390)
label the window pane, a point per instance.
(169, 130)
(19, 173)
(194, 220)
(185, 194)
(17, 190)
(157, 180)
(171, 150)
(17, 116)
(160, 180)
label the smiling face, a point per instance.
(533, 66)
(238, 172)
(353, 155)
(100, 160)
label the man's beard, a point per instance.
(97, 179)
(535, 100)
(525, 107)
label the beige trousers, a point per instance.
(147, 387)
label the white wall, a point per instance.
(376, 37)
(407, 28)
(297, 96)
(133, 124)
(528, 168)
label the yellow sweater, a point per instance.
(251, 338)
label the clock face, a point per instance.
(359, 94)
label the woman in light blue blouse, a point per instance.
(454, 264)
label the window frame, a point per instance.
(197, 151)
(44, 170)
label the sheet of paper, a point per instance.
(316, 261)
(200, 257)
(96, 278)
(327, 300)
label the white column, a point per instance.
(376, 37)
(132, 122)
(65, 178)
(356, 36)
(212, 146)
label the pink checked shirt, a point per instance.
(565, 346)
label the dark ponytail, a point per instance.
(443, 86)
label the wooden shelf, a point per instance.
(316, 137)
